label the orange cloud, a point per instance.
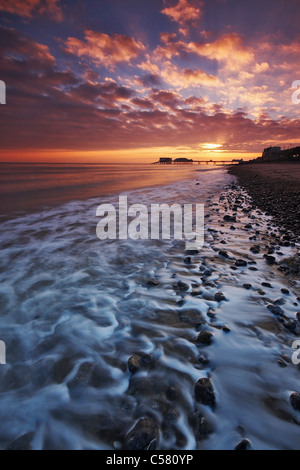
(183, 13)
(228, 49)
(104, 49)
(183, 78)
(28, 8)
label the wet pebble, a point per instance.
(172, 393)
(275, 309)
(205, 428)
(247, 286)
(205, 337)
(143, 436)
(295, 401)
(204, 392)
(152, 283)
(224, 254)
(270, 259)
(267, 284)
(240, 263)
(219, 297)
(134, 364)
(226, 329)
(181, 286)
(243, 445)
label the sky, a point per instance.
(136, 80)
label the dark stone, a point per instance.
(243, 445)
(223, 253)
(205, 337)
(152, 283)
(207, 273)
(181, 286)
(290, 325)
(203, 360)
(248, 226)
(147, 360)
(172, 393)
(247, 286)
(22, 443)
(298, 316)
(267, 284)
(192, 252)
(295, 401)
(226, 329)
(229, 218)
(253, 268)
(187, 260)
(143, 436)
(204, 392)
(219, 297)
(255, 249)
(204, 428)
(270, 259)
(134, 364)
(275, 309)
(240, 263)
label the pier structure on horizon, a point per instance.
(190, 161)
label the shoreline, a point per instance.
(275, 189)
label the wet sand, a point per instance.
(274, 188)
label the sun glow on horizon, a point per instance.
(208, 146)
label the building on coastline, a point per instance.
(165, 161)
(277, 154)
(272, 153)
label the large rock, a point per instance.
(243, 445)
(295, 401)
(204, 392)
(143, 436)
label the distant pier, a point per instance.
(190, 161)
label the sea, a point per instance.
(74, 309)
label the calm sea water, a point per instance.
(27, 187)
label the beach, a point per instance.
(138, 344)
(275, 188)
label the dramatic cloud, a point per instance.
(104, 49)
(228, 49)
(167, 99)
(29, 8)
(143, 103)
(184, 78)
(123, 88)
(16, 45)
(183, 13)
